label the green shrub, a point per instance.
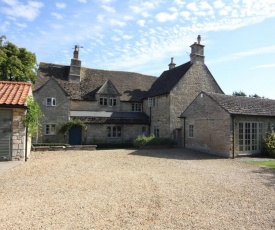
(152, 140)
(269, 143)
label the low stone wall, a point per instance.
(58, 148)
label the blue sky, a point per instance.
(142, 36)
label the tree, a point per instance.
(16, 64)
(240, 93)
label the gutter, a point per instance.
(26, 148)
(184, 118)
(233, 133)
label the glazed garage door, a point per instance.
(5, 134)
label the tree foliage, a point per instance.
(240, 93)
(269, 143)
(16, 64)
(68, 125)
(32, 117)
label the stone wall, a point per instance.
(98, 133)
(19, 135)
(212, 127)
(58, 114)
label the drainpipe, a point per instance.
(184, 118)
(233, 131)
(26, 148)
(150, 121)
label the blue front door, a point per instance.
(75, 135)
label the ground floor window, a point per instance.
(114, 131)
(156, 131)
(191, 131)
(144, 130)
(50, 129)
(250, 135)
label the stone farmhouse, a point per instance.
(117, 106)
(15, 144)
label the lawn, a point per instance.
(268, 164)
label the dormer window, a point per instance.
(51, 101)
(152, 101)
(103, 100)
(136, 107)
(113, 102)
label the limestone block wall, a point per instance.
(94, 106)
(98, 133)
(198, 78)
(160, 115)
(212, 127)
(19, 135)
(58, 114)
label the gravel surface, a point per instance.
(136, 189)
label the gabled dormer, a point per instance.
(108, 95)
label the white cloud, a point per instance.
(141, 23)
(115, 22)
(163, 17)
(115, 38)
(265, 66)
(219, 4)
(179, 3)
(100, 17)
(127, 37)
(82, 1)
(185, 14)
(108, 8)
(60, 5)
(192, 6)
(21, 25)
(57, 16)
(28, 11)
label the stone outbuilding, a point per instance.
(227, 126)
(14, 141)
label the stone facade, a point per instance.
(56, 115)
(19, 135)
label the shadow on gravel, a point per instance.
(178, 154)
(267, 174)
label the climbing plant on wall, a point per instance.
(33, 114)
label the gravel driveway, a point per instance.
(136, 189)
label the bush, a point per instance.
(152, 140)
(269, 143)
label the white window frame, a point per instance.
(114, 131)
(51, 101)
(113, 102)
(152, 101)
(103, 101)
(191, 131)
(156, 131)
(136, 107)
(50, 129)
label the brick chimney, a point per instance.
(75, 68)
(172, 64)
(197, 51)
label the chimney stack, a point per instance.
(75, 68)
(172, 64)
(197, 51)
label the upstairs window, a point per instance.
(51, 101)
(113, 102)
(191, 131)
(136, 107)
(103, 100)
(50, 129)
(152, 101)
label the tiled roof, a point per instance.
(99, 117)
(168, 79)
(239, 105)
(14, 93)
(132, 86)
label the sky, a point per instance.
(142, 35)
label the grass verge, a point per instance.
(268, 164)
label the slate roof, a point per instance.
(239, 105)
(108, 88)
(14, 93)
(168, 79)
(100, 117)
(132, 86)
